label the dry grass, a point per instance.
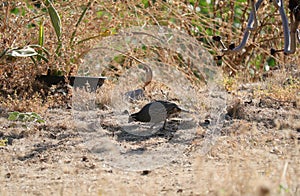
(249, 159)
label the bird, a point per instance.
(156, 112)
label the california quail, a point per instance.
(155, 112)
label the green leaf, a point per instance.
(41, 32)
(100, 14)
(78, 22)
(22, 117)
(30, 25)
(59, 46)
(144, 47)
(23, 12)
(41, 39)
(42, 57)
(15, 11)
(89, 38)
(119, 59)
(145, 3)
(55, 19)
(271, 62)
(83, 13)
(3, 53)
(25, 117)
(27, 51)
(13, 116)
(40, 121)
(35, 114)
(33, 60)
(39, 48)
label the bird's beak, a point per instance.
(130, 119)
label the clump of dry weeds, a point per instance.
(20, 27)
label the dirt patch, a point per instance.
(257, 152)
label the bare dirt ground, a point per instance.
(257, 153)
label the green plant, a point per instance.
(27, 51)
(25, 117)
(36, 51)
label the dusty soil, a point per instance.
(256, 153)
